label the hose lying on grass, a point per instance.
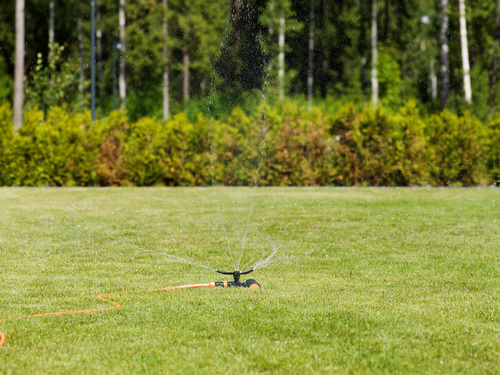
(251, 284)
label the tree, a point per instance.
(7, 41)
(99, 50)
(19, 68)
(185, 54)
(121, 81)
(445, 60)
(52, 18)
(465, 52)
(241, 60)
(166, 96)
(310, 70)
(279, 15)
(79, 29)
(496, 37)
(374, 42)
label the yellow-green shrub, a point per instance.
(456, 146)
(493, 152)
(283, 145)
(6, 134)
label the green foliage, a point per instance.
(240, 64)
(6, 134)
(493, 151)
(283, 145)
(456, 149)
(51, 151)
(298, 147)
(389, 76)
(271, 16)
(54, 84)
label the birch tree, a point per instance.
(445, 60)
(494, 73)
(186, 58)
(310, 70)
(19, 66)
(80, 53)
(99, 49)
(465, 52)
(279, 16)
(166, 98)
(374, 54)
(121, 80)
(52, 17)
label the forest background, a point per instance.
(385, 92)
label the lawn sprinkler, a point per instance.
(250, 283)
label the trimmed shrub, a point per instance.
(283, 145)
(6, 135)
(456, 146)
(493, 152)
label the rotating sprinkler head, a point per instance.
(250, 283)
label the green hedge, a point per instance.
(283, 145)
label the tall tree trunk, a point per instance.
(465, 52)
(445, 61)
(325, 61)
(80, 53)
(364, 58)
(281, 59)
(121, 80)
(185, 64)
(374, 54)
(385, 35)
(19, 68)
(99, 50)
(270, 64)
(494, 74)
(433, 79)
(310, 70)
(52, 18)
(166, 97)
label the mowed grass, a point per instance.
(374, 281)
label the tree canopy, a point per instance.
(232, 47)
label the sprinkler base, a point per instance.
(250, 284)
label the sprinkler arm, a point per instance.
(236, 274)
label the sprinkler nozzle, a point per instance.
(236, 274)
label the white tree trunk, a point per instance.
(51, 24)
(121, 80)
(465, 52)
(185, 64)
(445, 61)
(374, 54)
(281, 59)
(19, 68)
(80, 52)
(310, 72)
(99, 48)
(433, 79)
(166, 97)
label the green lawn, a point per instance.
(373, 280)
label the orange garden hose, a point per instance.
(116, 305)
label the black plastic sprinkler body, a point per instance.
(250, 283)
